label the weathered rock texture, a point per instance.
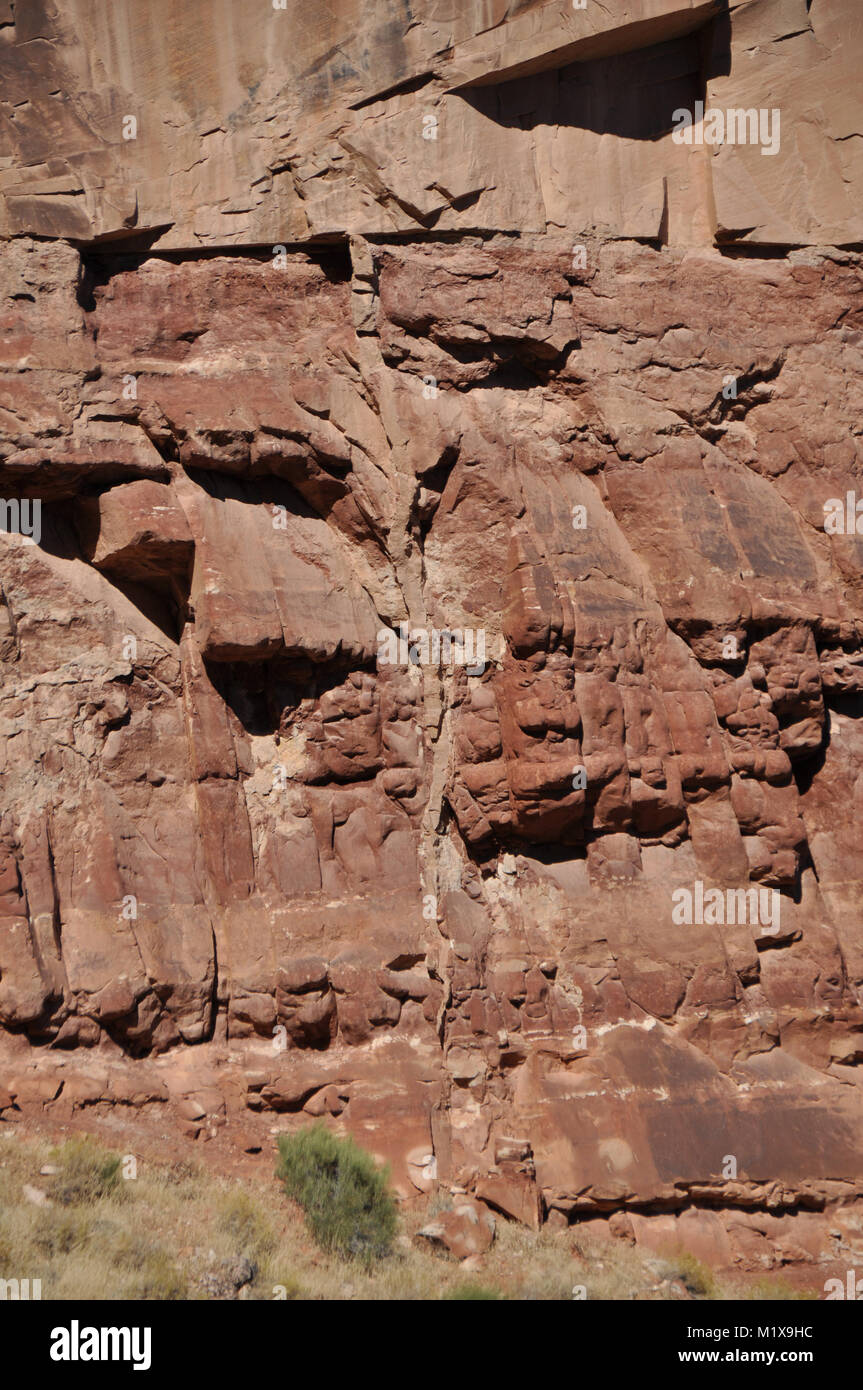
(313, 357)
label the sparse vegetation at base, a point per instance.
(86, 1173)
(696, 1277)
(472, 1293)
(177, 1230)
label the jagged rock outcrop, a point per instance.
(432, 679)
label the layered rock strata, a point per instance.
(432, 676)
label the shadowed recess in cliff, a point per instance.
(631, 94)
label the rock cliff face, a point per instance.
(431, 609)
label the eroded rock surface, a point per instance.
(432, 588)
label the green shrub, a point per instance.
(346, 1199)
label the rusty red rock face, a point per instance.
(412, 626)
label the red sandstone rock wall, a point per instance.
(439, 329)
